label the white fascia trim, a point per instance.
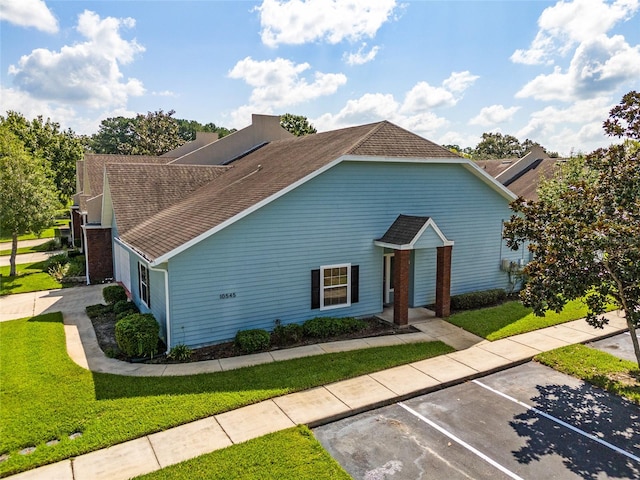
(492, 182)
(392, 245)
(411, 245)
(312, 175)
(322, 287)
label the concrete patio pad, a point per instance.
(253, 421)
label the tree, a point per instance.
(585, 240)
(496, 145)
(297, 124)
(28, 200)
(115, 135)
(573, 170)
(188, 129)
(44, 139)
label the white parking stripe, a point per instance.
(560, 422)
(461, 442)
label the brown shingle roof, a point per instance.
(495, 167)
(266, 172)
(526, 186)
(403, 230)
(145, 189)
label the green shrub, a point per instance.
(180, 352)
(124, 306)
(114, 293)
(77, 266)
(323, 327)
(250, 341)
(51, 246)
(485, 298)
(75, 253)
(94, 311)
(55, 261)
(287, 334)
(137, 335)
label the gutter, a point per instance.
(166, 299)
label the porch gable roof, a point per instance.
(406, 232)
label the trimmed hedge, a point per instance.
(137, 335)
(250, 341)
(113, 294)
(323, 327)
(484, 298)
(287, 334)
(94, 311)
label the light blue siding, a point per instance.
(258, 269)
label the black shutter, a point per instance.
(355, 283)
(315, 289)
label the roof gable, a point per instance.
(409, 232)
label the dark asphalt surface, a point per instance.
(485, 429)
(618, 345)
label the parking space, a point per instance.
(525, 422)
(619, 345)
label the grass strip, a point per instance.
(512, 318)
(46, 397)
(50, 232)
(44, 247)
(602, 369)
(30, 277)
(291, 453)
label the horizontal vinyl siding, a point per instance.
(266, 258)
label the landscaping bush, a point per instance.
(124, 306)
(50, 246)
(137, 335)
(59, 271)
(323, 327)
(114, 293)
(180, 352)
(95, 311)
(287, 334)
(55, 261)
(485, 298)
(76, 266)
(250, 341)
(74, 253)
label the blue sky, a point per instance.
(448, 70)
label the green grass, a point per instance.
(46, 396)
(512, 318)
(596, 367)
(292, 453)
(35, 249)
(46, 233)
(30, 278)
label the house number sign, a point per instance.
(224, 296)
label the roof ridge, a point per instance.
(376, 127)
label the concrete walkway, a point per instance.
(475, 357)
(25, 243)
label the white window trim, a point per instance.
(322, 287)
(140, 282)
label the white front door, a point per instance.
(387, 288)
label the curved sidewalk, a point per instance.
(475, 358)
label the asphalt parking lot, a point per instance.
(618, 345)
(527, 422)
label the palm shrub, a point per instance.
(137, 335)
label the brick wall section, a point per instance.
(401, 287)
(99, 254)
(76, 221)
(443, 282)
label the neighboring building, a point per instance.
(339, 223)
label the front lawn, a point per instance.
(291, 453)
(512, 318)
(47, 397)
(602, 369)
(48, 246)
(30, 277)
(50, 232)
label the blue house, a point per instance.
(341, 223)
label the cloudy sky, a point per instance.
(447, 70)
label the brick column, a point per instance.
(443, 282)
(99, 254)
(401, 287)
(76, 224)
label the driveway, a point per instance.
(526, 422)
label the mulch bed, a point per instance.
(104, 326)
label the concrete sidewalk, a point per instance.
(475, 357)
(25, 243)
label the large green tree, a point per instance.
(28, 200)
(189, 128)
(297, 124)
(585, 239)
(61, 149)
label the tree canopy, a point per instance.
(44, 139)
(585, 237)
(297, 124)
(28, 200)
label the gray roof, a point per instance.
(403, 230)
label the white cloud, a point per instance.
(85, 73)
(493, 114)
(279, 83)
(361, 57)
(599, 65)
(29, 13)
(567, 24)
(297, 22)
(424, 97)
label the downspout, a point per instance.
(166, 299)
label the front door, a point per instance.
(387, 286)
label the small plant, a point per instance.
(180, 353)
(137, 335)
(323, 327)
(77, 266)
(287, 334)
(50, 246)
(114, 293)
(95, 311)
(111, 352)
(250, 341)
(59, 271)
(56, 260)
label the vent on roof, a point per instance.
(533, 166)
(244, 154)
(506, 162)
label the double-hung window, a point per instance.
(334, 286)
(143, 283)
